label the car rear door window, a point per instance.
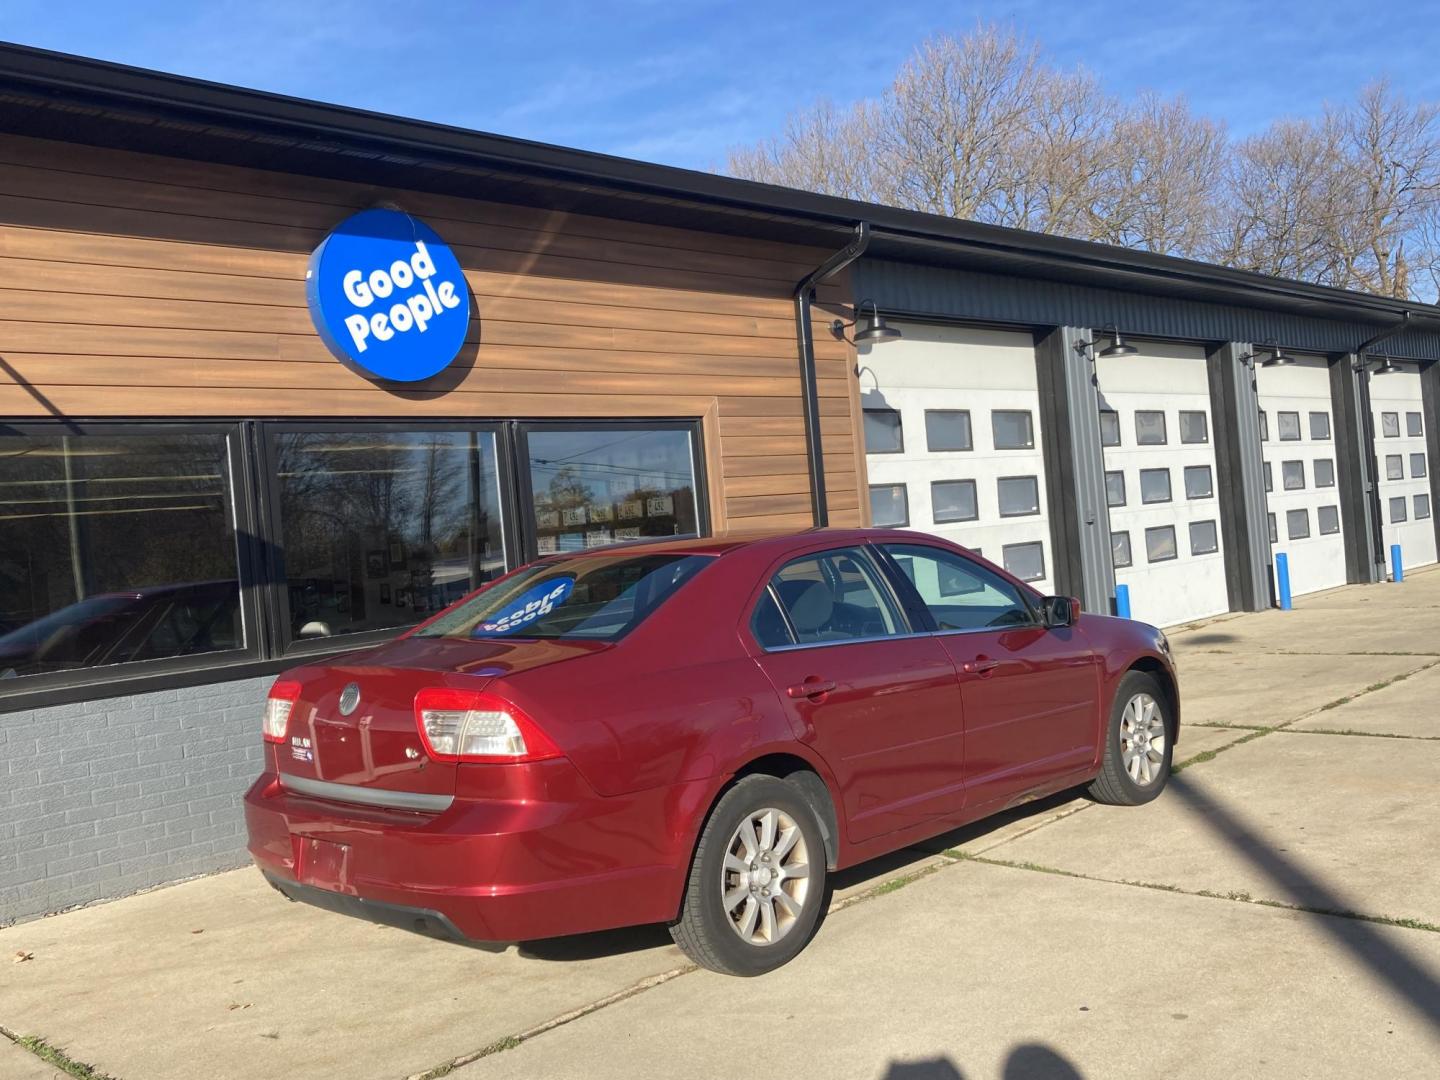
(959, 594)
(835, 596)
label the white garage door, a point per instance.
(1406, 492)
(953, 442)
(1298, 442)
(1160, 481)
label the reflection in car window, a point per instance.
(589, 597)
(835, 596)
(960, 594)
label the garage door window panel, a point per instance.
(1324, 472)
(1422, 507)
(1025, 561)
(1414, 425)
(889, 506)
(1319, 425)
(1390, 425)
(1120, 555)
(1417, 466)
(948, 430)
(1194, 426)
(1398, 510)
(953, 500)
(1204, 538)
(1327, 520)
(1292, 475)
(1013, 429)
(1019, 496)
(1199, 483)
(883, 432)
(1160, 544)
(1109, 427)
(1274, 533)
(1264, 426)
(1297, 524)
(1269, 477)
(959, 594)
(1155, 485)
(1394, 467)
(1115, 488)
(1289, 426)
(1150, 427)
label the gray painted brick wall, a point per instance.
(101, 798)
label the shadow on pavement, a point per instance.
(1029, 1061)
(627, 939)
(1213, 638)
(1388, 964)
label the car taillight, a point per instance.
(470, 725)
(277, 710)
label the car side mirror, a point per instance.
(1060, 611)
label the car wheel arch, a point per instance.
(1154, 666)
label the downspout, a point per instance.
(1367, 421)
(805, 339)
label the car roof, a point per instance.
(719, 545)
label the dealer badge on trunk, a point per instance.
(349, 699)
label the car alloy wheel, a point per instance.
(765, 878)
(1142, 740)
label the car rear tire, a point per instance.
(757, 883)
(1139, 742)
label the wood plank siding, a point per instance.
(135, 286)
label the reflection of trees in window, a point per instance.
(414, 512)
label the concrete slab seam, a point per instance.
(1237, 897)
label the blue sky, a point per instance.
(680, 82)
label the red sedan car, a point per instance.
(694, 732)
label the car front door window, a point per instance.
(960, 594)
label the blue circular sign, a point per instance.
(388, 296)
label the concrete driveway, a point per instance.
(1276, 913)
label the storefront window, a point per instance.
(383, 528)
(604, 485)
(115, 548)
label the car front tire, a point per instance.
(757, 882)
(1139, 742)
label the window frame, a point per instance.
(904, 487)
(1169, 487)
(1124, 489)
(255, 499)
(1164, 439)
(899, 430)
(1129, 550)
(140, 676)
(1280, 415)
(1304, 512)
(1174, 535)
(1320, 529)
(1415, 504)
(969, 427)
(1420, 458)
(1029, 415)
(1315, 472)
(1285, 484)
(290, 648)
(1215, 528)
(1044, 567)
(1000, 510)
(1204, 423)
(934, 517)
(1420, 425)
(1385, 434)
(1119, 431)
(1310, 420)
(1398, 461)
(1185, 473)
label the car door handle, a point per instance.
(981, 665)
(812, 687)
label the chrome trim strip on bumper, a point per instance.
(366, 796)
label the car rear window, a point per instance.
(591, 597)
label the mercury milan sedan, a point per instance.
(696, 733)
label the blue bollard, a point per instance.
(1122, 601)
(1282, 579)
(1397, 565)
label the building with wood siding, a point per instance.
(195, 494)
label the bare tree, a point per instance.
(982, 127)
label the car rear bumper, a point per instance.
(516, 856)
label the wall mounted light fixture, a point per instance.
(1275, 359)
(869, 330)
(1385, 367)
(1117, 346)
